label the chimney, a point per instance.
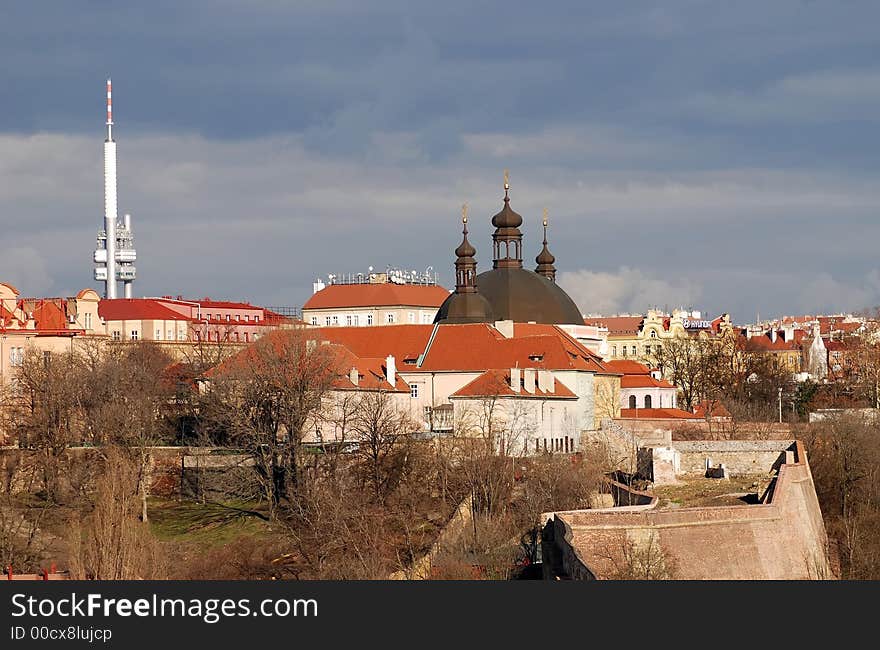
(546, 381)
(529, 379)
(353, 375)
(514, 380)
(788, 333)
(391, 370)
(773, 335)
(505, 327)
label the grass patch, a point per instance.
(205, 523)
(697, 492)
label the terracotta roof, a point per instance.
(8, 317)
(762, 342)
(716, 408)
(224, 304)
(371, 371)
(627, 367)
(643, 381)
(386, 294)
(136, 309)
(49, 316)
(496, 383)
(467, 347)
(658, 414)
(618, 324)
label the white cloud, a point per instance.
(627, 290)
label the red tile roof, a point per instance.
(387, 294)
(467, 347)
(371, 371)
(136, 309)
(496, 383)
(763, 343)
(627, 367)
(49, 316)
(718, 410)
(643, 381)
(618, 324)
(658, 414)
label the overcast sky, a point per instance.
(719, 155)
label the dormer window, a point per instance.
(536, 357)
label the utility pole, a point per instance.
(780, 405)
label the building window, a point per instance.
(336, 320)
(256, 319)
(613, 350)
(16, 356)
(653, 334)
(355, 320)
(426, 318)
(158, 333)
(88, 321)
(134, 335)
(413, 390)
(247, 318)
(369, 319)
(207, 316)
(246, 337)
(326, 320)
(412, 317)
(228, 318)
(117, 335)
(348, 320)
(181, 335)
(635, 354)
(632, 401)
(623, 349)
(314, 320)
(389, 317)
(647, 401)
(171, 335)
(237, 317)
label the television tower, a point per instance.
(115, 254)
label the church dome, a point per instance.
(545, 257)
(465, 308)
(523, 296)
(507, 217)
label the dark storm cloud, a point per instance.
(263, 143)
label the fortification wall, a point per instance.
(741, 457)
(781, 539)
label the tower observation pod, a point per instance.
(115, 254)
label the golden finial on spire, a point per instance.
(545, 217)
(464, 209)
(506, 180)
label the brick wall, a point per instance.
(741, 457)
(781, 539)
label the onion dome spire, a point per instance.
(465, 249)
(507, 239)
(545, 258)
(465, 264)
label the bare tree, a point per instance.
(261, 400)
(46, 411)
(111, 543)
(380, 430)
